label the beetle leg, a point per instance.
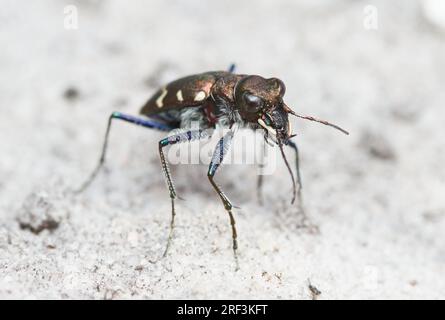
(260, 178)
(293, 145)
(185, 136)
(232, 68)
(218, 156)
(259, 188)
(128, 118)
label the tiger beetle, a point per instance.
(221, 98)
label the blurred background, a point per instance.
(375, 207)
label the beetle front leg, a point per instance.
(186, 136)
(293, 145)
(218, 156)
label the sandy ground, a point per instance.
(375, 206)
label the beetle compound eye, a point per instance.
(253, 102)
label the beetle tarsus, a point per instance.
(234, 240)
(294, 146)
(172, 227)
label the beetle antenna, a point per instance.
(294, 187)
(326, 123)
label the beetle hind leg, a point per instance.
(151, 124)
(232, 68)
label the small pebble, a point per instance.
(71, 93)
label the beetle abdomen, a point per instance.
(185, 92)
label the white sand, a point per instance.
(376, 197)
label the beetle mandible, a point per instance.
(215, 98)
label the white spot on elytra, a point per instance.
(200, 96)
(159, 100)
(179, 95)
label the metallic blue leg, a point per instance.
(148, 123)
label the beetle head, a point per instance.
(260, 101)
